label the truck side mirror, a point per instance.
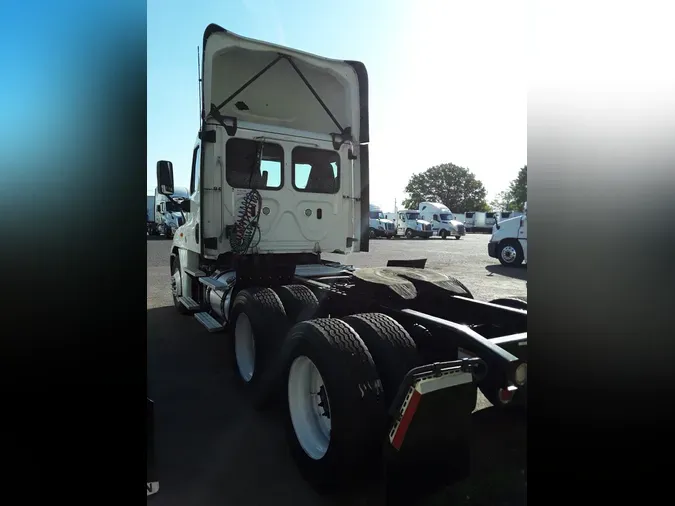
(165, 177)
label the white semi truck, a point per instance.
(443, 222)
(508, 243)
(167, 215)
(363, 362)
(379, 225)
(150, 214)
(409, 224)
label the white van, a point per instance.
(508, 243)
(443, 223)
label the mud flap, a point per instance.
(152, 485)
(428, 444)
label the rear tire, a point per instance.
(393, 350)
(458, 237)
(259, 324)
(299, 302)
(352, 392)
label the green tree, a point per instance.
(517, 192)
(454, 186)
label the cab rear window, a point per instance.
(240, 165)
(316, 170)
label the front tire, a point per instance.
(335, 417)
(409, 234)
(177, 281)
(443, 234)
(458, 237)
(372, 234)
(510, 253)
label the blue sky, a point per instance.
(447, 78)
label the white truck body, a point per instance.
(508, 243)
(309, 178)
(409, 224)
(167, 214)
(443, 222)
(379, 225)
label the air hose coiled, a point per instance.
(246, 227)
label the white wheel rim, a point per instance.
(177, 283)
(306, 391)
(244, 347)
(509, 254)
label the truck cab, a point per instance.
(508, 243)
(410, 224)
(379, 225)
(443, 222)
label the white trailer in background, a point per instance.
(469, 220)
(460, 217)
(443, 222)
(505, 215)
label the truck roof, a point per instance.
(437, 205)
(229, 60)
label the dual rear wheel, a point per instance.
(339, 376)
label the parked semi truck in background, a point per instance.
(443, 222)
(166, 212)
(363, 362)
(409, 224)
(379, 225)
(150, 214)
(508, 243)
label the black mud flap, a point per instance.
(428, 444)
(413, 264)
(152, 485)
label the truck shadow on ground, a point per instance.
(213, 447)
(509, 272)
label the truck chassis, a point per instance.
(396, 355)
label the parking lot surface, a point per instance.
(214, 448)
